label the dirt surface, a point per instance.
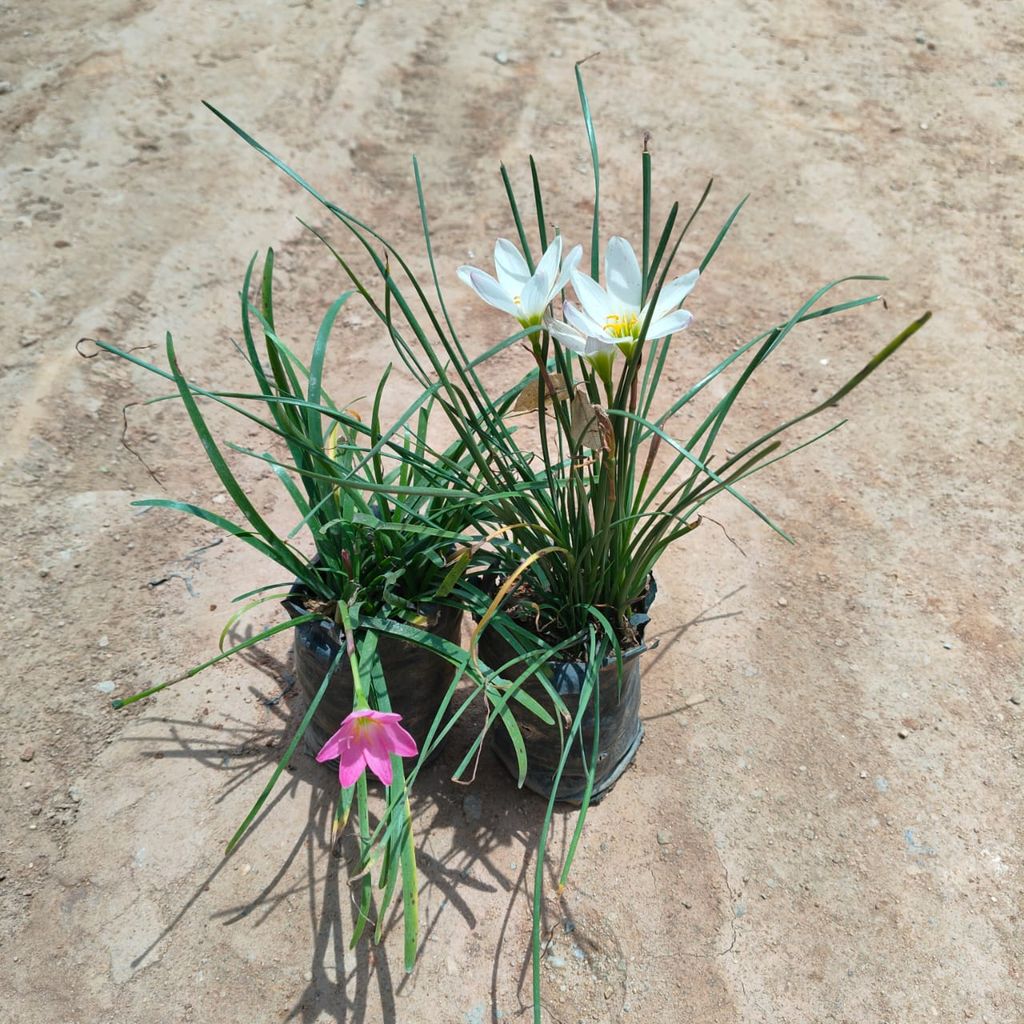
(823, 824)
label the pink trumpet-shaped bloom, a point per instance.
(367, 739)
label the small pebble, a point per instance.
(920, 38)
(6, 87)
(664, 838)
(903, 733)
(75, 794)
(782, 602)
(947, 645)
(107, 686)
(1017, 698)
(27, 754)
(103, 642)
(472, 807)
(501, 57)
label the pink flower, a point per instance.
(367, 739)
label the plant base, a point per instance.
(566, 793)
(619, 732)
(417, 679)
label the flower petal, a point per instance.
(377, 756)
(399, 741)
(538, 291)
(569, 264)
(350, 768)
(582, 322)
(567, 336)
(333, 747)
(536, 296)
(513, 271)
(593, 298)
(488, 289)
(622, 274)
(674, 292)
(669, 324)
(583, 342)
(551, 260)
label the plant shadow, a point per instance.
(471, 839)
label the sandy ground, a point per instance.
(823, 824)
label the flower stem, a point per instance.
(350, 646)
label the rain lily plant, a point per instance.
(569, 519)
(381, 512)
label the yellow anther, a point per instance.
(622, 326)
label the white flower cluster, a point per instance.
(608, 319)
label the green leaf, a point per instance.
(514, 206)
(316, 367)
(282, 555)
(516, 737)
(595, 230)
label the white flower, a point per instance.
(516, 291)
(577, 340)
(597, 350)
(615, 315)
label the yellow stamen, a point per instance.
(622, 326)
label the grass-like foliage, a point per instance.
(382, 517)
(550, 542)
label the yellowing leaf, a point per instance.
(590, 426)
(526, 401)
